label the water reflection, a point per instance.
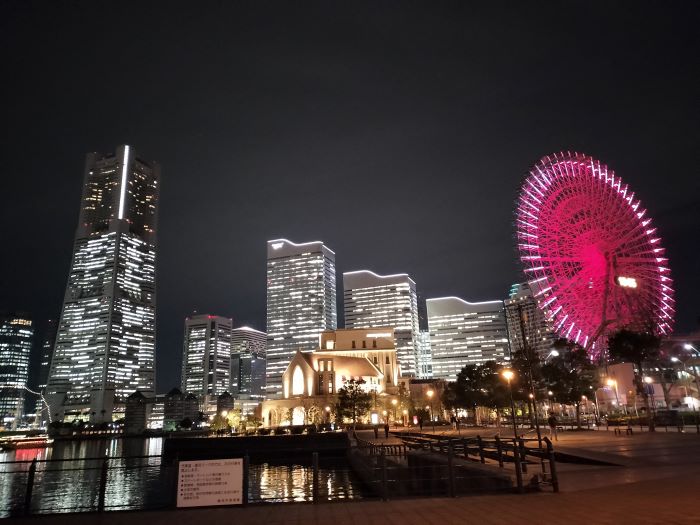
(140, 482)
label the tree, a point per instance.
(186, 423)
(570, 376)
(638, 348)
(219, 423)
(477, 386)
(353, 400)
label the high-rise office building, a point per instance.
(425, 355)
(301, 303)
(526, 322)
(47, 347)
(248, 348)
(463, 333)
(16, 339)
(372, 301)
(206, 356)
(105, 347)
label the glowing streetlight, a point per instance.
(613, 384)
(394, 402)
(430, 395)
(508, 375)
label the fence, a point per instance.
(428, 465)
(100, 484)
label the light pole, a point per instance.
(613, 383)
(430, 394)
(688, 346)
(650, 392)
(508, 375)
(394, 402)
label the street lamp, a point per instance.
(394, 402)
(405, 417)
(613, 383)
(553, 353)
(430, 394)
(508, 375)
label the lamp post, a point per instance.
(394, 402)
(405, 417)
(508, 375)
(597, 409)
(650, 392)
(430, 394)
(328, 414)
(690, 347)
(613, 383)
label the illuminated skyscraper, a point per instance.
(526, 321)
(463, 333)
(301, 303)
(105, 347)
(206, 356)
(16, 339)
(373, 301)
(425, 355)
(248, 362)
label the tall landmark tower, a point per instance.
(105, 347)
(301, 303)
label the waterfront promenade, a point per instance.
(654, 480)
(645, 502)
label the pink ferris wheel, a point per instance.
(590, 253)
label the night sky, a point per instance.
(396, 132)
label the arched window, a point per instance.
(298, 382)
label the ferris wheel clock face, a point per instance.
(590, 252)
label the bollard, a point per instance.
(30, 488)
(518, 473)
(481, 448)
(499, 448)
(103, 486)
(450, 472)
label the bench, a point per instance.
(628, 431)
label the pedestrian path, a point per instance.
(640, 503)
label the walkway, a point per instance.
(645, 502)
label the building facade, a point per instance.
(463, 333)
(105, 346)
(301, 303)
(248, 350)
(206, 356)
(371, 300)
(311, 381)
(16, 340)
(527, 326)
(425, 355)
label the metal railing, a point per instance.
(521, 456)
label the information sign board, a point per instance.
(210, 482)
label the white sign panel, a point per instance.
(210, 482)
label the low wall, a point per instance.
(274, 447)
